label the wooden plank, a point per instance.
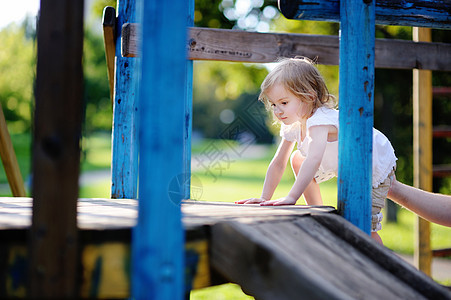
(199, 213)
(9, 159)
(383, 257)
(109, 41)
(282, 260)
(327, 255)
(105, 257)
(446, 252)
(441, 91)
(254, 262)
(421, 13)
(56, 150)
(441, 132)
(422, 151)
(103, 214)
(130, 40)
(441, 170)
(105, 253)
(186, 190)
(158, 237)
(245, 46)
(124, 145)
(356, 106)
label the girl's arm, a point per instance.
(274, 173)
(309, 167)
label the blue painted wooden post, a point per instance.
(158, 238)
(124, 151)
(421, 13)
(188, 113)
(357, 39)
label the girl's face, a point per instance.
(287, 107)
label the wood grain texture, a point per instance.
(109, 41)
(124, 145)
(356, 110)
(279, 252)
(56, 150)
(158, 259)
(285, 259)
(422, 151)
(421, 13)
(130, 40)
(188, 117)
(384, 257)
(256, 263)
(103, 214)
(244, 46)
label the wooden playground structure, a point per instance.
(161, 246)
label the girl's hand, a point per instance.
(250, 201)
(281, 201)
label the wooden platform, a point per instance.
(272, 252)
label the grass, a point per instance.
(244, 179)
(234, 178)
(95, 155)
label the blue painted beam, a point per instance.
(124, 148)
(356, 105)
(188, 113)
(158, 237)
(420, 13)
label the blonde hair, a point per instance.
(300, 77)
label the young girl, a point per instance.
(297, 94)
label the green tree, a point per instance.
(98, 108)
(17, 73)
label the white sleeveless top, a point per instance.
(384, 159)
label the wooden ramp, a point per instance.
(310, 257)
(271, 252)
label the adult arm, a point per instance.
(433, 207)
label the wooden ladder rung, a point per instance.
(441, 252)
(441, 132)
(441, 91)
(441, 170)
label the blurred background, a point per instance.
(233, 136)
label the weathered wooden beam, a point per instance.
(383, 257)
(422, 152)
(109, 40)
(263, 267)
(356, 111)
(124, 144)
(158, 238)
(56, 150)
(188, 112)
(263, 258)
(244, 46)
(421, 13)
(9, 159)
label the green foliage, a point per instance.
(17, 72)
(97, 7)
(22, 148)
(207, 14)
(98, 107)
(221, 85)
